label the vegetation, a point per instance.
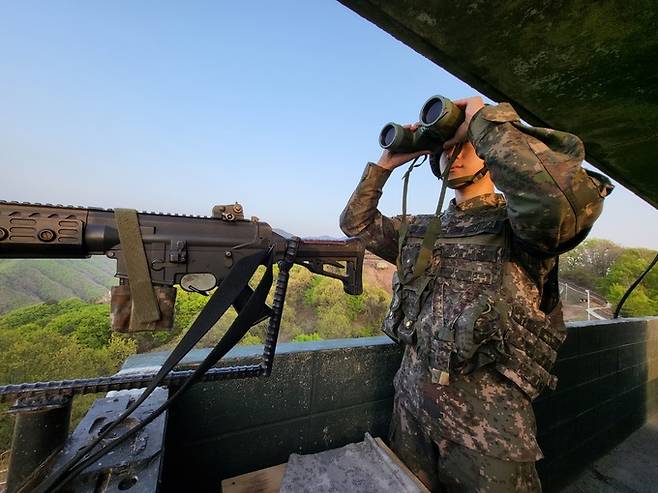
(40, 351)
(316, 308)
(72, 338)
(29, 281)
(609, 269)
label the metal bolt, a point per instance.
(228, 254)
(46, 235)
(3, 234)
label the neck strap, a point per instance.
(463, 181)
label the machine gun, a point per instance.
(156, 252)
(194, 252)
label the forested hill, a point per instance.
(28, 281)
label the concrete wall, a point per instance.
(326, 394)
(608, 385)
(320, 395)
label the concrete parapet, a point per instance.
(326, 394)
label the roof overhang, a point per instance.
(590, 68)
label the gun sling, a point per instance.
(219, 302)
(145, 307)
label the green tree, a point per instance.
(626, 268)
(89, 323)
(32, 353)
(590, 261)
(308, 337)
(250, 340)
(39, 314)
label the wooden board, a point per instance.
(263, 481)
(401, 465)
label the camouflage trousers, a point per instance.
(448, 467)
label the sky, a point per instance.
(178, 106)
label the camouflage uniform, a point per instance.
(482, 326)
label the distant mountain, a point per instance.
(28, 281)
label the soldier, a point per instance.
(478, 309)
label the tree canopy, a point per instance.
(609, 269)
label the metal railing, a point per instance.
(586, 296)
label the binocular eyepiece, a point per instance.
(439, 119)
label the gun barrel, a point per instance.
(99, 238)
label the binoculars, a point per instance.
(439, 119)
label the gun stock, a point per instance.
(338, 259)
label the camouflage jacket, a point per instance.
(487, 313)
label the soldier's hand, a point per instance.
(391, 160)
(470, 106)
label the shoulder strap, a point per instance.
(404, 224)
(433, 229)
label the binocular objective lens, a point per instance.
(432, 111)
(388, 135)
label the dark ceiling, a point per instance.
(588, 67)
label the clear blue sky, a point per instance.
(177, 106)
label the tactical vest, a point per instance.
(475, 306)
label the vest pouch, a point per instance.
(394, 317)
(479, 333)
(407, 332)
(527, 374)
(413, 296)
(533, 350)
(410, 309)
(525, 339)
